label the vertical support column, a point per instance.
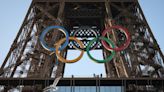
(119, 64)
(23, 49)
(110, 68)
(45, 70)
(60, 17)
(151, 33)
(15, 41)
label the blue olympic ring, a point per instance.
(43, 34)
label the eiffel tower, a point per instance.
(30, 67)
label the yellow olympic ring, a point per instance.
(63, 59)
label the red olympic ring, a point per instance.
(124, 46)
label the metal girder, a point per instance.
(151, 33)
(42, 9)
(23, 49)
(84, 0)
(83, 81)
(119, 66)
(15, 40)
(46, 68)
(45, 12)
(119, 71)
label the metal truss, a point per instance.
(28, 60)
(127, 84)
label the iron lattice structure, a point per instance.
(140, 67)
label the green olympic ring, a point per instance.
(108, 58)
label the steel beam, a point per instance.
(84, 0)
(83, 81)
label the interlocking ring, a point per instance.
(122, 29)
(43, 34)
(109, 42)
(63, 59)
(88, 28)
(105, 41)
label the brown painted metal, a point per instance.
(151, 33)
(123, 70)
(15, 41)
(84, 0)
(83, 81)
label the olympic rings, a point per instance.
(109, 42)
(125, 45)
(69, 61)
(88, 28)
(105, 41)
(43, 34)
